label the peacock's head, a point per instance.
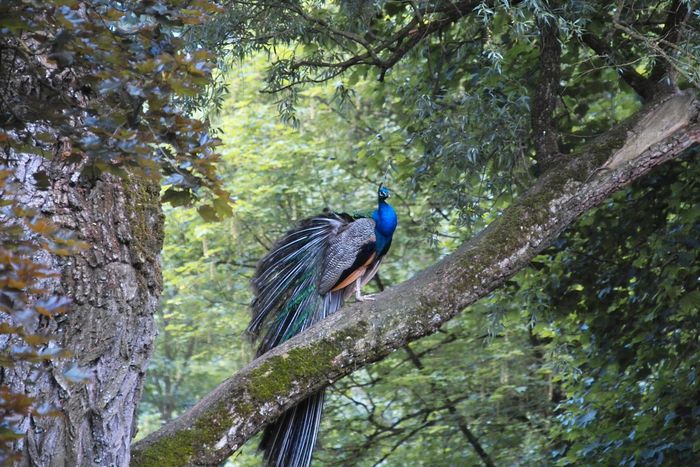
(383, 192)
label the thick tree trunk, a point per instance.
(115, 284)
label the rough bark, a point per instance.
(362, 333)
(546, 96)
(115, 284)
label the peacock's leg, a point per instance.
(358, 294)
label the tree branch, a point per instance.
(362, 333)
(646, 87)
(665, 66)
(643, 86)
(546, 95)
(471, 437)
(454, 413)
(678, 14)
(398, 44)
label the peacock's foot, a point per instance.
(358, 294)
(363, 298)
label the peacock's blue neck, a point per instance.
(385, 223)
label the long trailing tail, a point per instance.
(287, 301)
(290, 440)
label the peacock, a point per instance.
(305, 277)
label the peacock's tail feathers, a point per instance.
(287, 299)
(289, 442)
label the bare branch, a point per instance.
(450, 405)
(678, 14)
(471, 437)
(390, 51)
(662, 46)
(643, 86)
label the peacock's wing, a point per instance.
(286, 282)
(350, 250)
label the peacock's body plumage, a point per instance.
(306, 276)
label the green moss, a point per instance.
(168, 451)
(178, 449)
(275, 376)
(272, 379)
(604, 148)
(245, 409)
(143, 205)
